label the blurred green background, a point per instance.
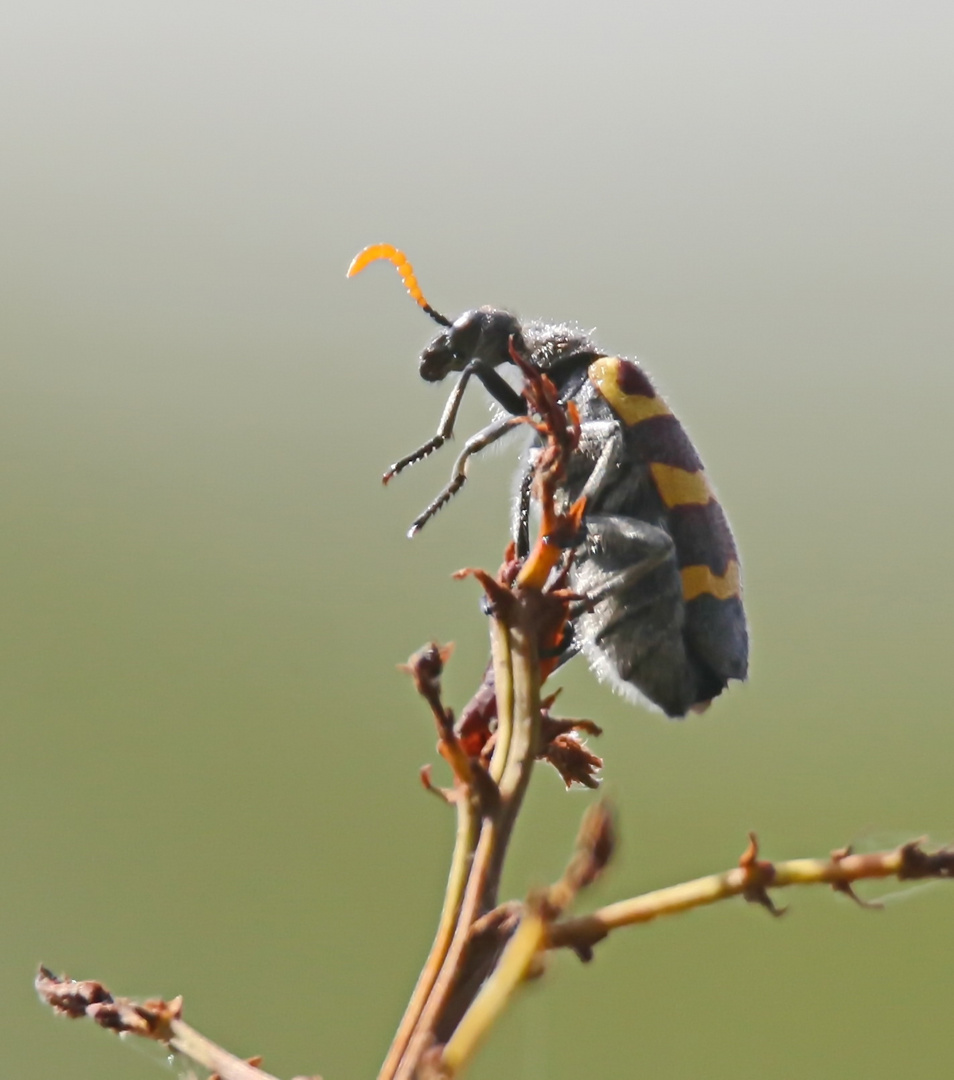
(209, 763)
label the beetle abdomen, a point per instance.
(713, 620)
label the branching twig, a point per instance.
(517, 680)
(426, 668)
(521, 958)
(539, 929)
(753, 879)
(483, 951)
(158, 1020)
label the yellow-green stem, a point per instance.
(468, 823)
(517, 684)
(494, 996)
(838, 871)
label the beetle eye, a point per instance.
(463, 336)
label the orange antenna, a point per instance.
(386, 251)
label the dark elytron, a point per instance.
(656, 559)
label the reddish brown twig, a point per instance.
(158, 1020)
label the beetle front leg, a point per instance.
(444, 429)
(496, 386)
(474, 444)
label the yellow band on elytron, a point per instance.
(678, 487)
(697, 580)
(631, 408)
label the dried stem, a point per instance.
(522, 955)
(753, 879)
(522, 672)
(517, 681)
(501, 657)
(468, 822)
(160, 1021)
(515, 964)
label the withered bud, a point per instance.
(918, 863)
(426, 667)
(69, 996)
(573, 761)
(595, 844)
(150, 1019)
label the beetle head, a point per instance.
(482, 334)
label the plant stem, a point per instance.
(524, 678)
(517, 683)
(195, 1046)
(516, 962)
(840, 870)
(468, 821)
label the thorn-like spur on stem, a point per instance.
(155, 1019)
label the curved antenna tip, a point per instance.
(373, 252)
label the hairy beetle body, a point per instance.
(656, 561)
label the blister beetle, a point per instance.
(656, 561)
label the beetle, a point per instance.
(656, 560)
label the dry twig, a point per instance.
(155, 1019)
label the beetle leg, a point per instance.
(565, 649)
(616, 554)
(500, 390)
(520, 524)
(608, 436)
(444, 429)
(474, 444)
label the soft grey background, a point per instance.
(208, 772)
